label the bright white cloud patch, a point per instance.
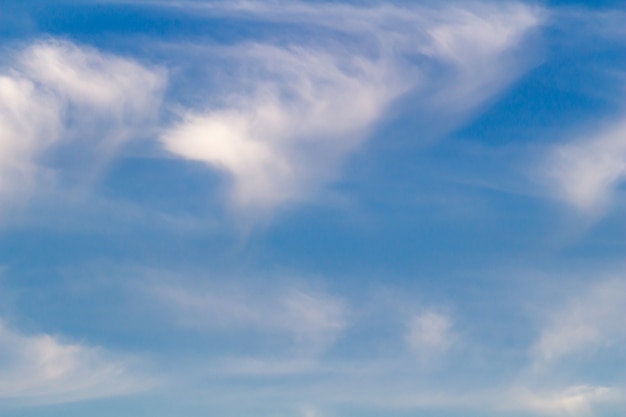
(285, 128)
(55, 93)
(43, 369)
(586, 173)
(289, 134)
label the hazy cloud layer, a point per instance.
(571, 337)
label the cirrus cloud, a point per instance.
(283, 131)
(58, 99)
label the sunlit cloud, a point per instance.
(283, 131)
(290, 133)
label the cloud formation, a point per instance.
(585, 327)
(288, 135)
(60, 98)
(284, 129)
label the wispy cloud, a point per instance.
(288, 135)
(575, 401)
(587, 172)
(41, 369)
(276, 342)
(590, 321)
(311, 320)
(574, 337)
(581, 329)
(282, 132)
(59, 99)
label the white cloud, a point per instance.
(29, 122)
(285, 128)
(593, 320)
(36, 369)
(113, 87)
(313, 320)
(586, 173)
(289, 134)
(54, 93)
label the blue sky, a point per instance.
(312, 209)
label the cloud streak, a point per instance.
(311, 320)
